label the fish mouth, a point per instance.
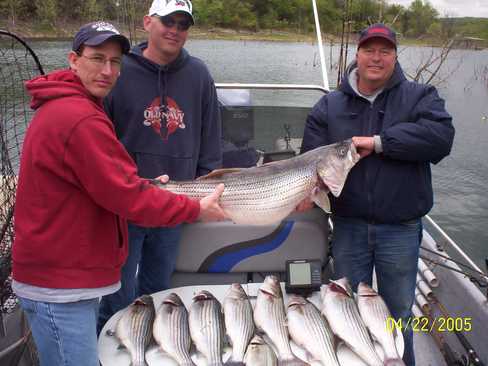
(269, 293)
(295, 301)
(364, 290)
(142, 301)
(170, 302)
(202, 296)
(294, 304)
(336, 286)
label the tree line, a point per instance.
(419, 19)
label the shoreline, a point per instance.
(65, 32)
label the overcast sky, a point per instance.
(454, 8)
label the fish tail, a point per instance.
(394, 362)
(291, 362)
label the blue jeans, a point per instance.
(65, 333)
(149, 266)
(393, 250)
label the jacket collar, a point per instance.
(178, 63)
(55, 85)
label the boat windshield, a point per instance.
(262, 124)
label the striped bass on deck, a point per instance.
(207, 331)
(270, 320)
(341, 311)
(375, 314)
(309, 329)
(269, 193)
(239, 323)
(171, 330)
(134, 328)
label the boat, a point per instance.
(260, 125)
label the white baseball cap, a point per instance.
(166, 7)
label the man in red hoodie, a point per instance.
(77, 187)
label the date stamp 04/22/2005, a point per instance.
(427, 325)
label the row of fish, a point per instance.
(261, 336)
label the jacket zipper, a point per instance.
(369, 132)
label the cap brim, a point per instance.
(186, 13)
(101, 38)
(376, 35)
(176, 12)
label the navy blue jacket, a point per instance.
(415, 131)
(167, 117)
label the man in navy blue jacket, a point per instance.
(399, 128)
(165, 111)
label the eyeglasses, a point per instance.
(169, 22)
(101, 61)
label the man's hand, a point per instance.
(163, 179)
(305, 205)
(364, 145)
(210, 209)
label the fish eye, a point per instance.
(342, 151)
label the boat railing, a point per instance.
(480, 275)
(271, 86)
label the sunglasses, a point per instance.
(170, 22)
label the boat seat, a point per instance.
(223, 252)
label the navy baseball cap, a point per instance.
(94, 34)
(378, 30)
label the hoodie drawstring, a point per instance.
(163, 108)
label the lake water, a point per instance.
(461, 204)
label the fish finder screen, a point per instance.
(300, 274)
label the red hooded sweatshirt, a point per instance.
(77, 186)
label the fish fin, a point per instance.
(292, 362)
(394, 362)
(309, 357)
(268, 341)
(320, 198)
(217, 173)
(227, 341)
(270, 163)
(200, 358)
(231, 362)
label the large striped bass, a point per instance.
(269, 193)
(207, 327)
(270, 319)
(239, 321)
(309, 329)
(375, 314)
(134, 328)
(341, 311)
(171, 330)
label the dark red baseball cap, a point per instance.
(378, 30)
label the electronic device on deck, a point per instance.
(303, 276)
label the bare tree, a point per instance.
(431, 68)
